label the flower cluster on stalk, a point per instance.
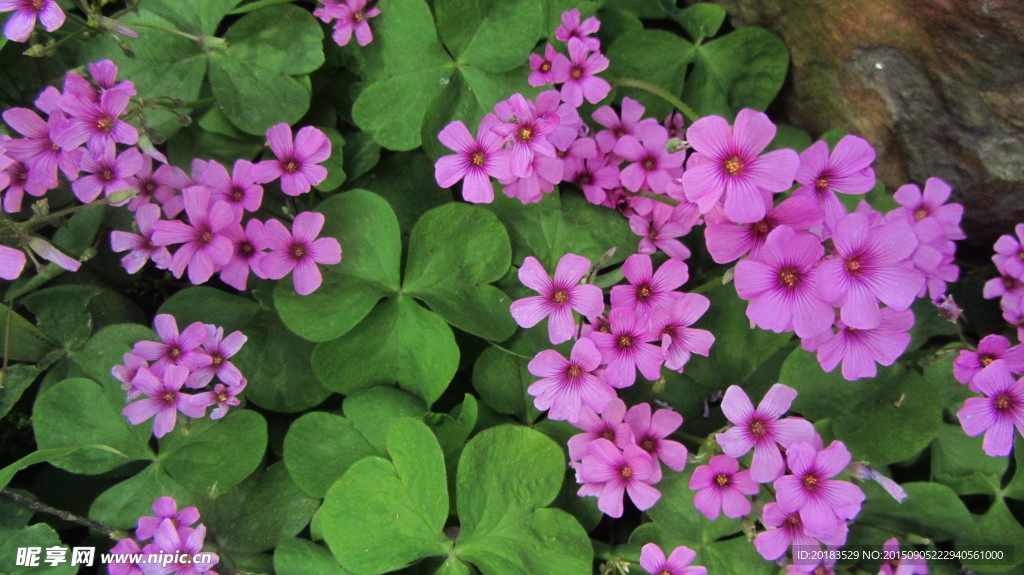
(189, 359)
(209, 213)
(841, 279)
(173, 536)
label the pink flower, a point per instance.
(992, 349)
(184, 544)
(141, 245)
(823, 502)
(528, 133)
(846, 171)
(650, 433)
(165, 400)
(610, 425)
(20, 180)
(728, 162)
(870, 265)
(95, 123)
(160, 186)
(569, 384)
(653, 560)
(37, 150)
(128, 549)
(205, 245)
(998, 412)
(930, 205)
(352, 16)
(614, 472)
(722, 487)
(166, 508)
(652, 168)
(299, 251)
(296, 163)
(905, 565)
(761, 429)
(628, 124)
(12, 261)
(558, 297)
(220, 349)
(788, 528)
(239, 190)
(222, 396)
(782, 286)
(578, 74)
(19, 26)
(173, 348)
(595, 177)
(248, 252)
(648, 290)
(572, 28)
(476, 160)
(108, 174)
(660, 229)
(541, 67)
(678, 339)
(728, 241)
(126, 373)
(861, 349)
(1009, 250)
(626, 349)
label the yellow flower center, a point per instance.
(732, 166)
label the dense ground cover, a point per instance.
(465, 286)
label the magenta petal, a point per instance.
(767, 464)
(772, 544)
(977, 415)
(449, 170)
(643, 495)
(533, 276)
(777, 401)
(737, 407)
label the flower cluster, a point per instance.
(349, 16)
(173, 536)
(1009, 286)
(990, 369)
(80, 137)
(213, 239)
(843, 282)
(810, 507)
(648, 326)
(20, 24)
(189, 359)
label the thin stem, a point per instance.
(656, 197)
(7, 337)
(33, 223)
(195, 39)
(97, 526)
(661, 93)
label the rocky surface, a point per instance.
(936, 85)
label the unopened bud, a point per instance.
(120, 197)
(948, 309)
(41, 208)
(864, 471)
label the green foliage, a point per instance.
(383, 515)
(79, 413)
(743, 69)
(386, 423)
